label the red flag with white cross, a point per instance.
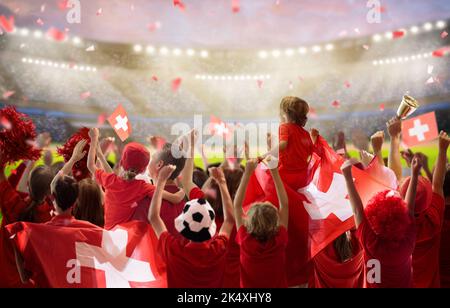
(420, 129)
(121, 123)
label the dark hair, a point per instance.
(165, 155)
(233, 178)
(199, 177)
(56, 167)
(343, 247)
(39, 186)
(447, 184)
(65, 192)
(89, 205)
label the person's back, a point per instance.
(444, 256)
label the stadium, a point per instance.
(171, 62)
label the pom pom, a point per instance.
(387, 215)
(79, 170)
(17, 137)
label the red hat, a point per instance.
(135, 157)
(424, 193)
(388, 216)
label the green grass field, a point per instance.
(429, 149)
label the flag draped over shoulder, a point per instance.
(320, 211)
(82, 255)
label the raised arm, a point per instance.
(2, 168)
(282, 197)
(240, 194)
(416, 165)
(77, 155)
(103, 161)
(93, 134)
(377, 141)
(355, 199)
(22, 186)
(188, 171)
(394, 161)
(227, 204)
(441, 164)
(155, 206)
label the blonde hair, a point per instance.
(295, 109)
(129, 175)
(262, 221)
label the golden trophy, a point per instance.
(407, 107)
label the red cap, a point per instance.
(424, 193)
(135, 157)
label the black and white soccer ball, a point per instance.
(197, 221)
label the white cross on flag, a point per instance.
(420, 129)
(121, 123)
(81, 255)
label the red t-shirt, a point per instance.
(263, 264)
(193, 265)
(12, 205)
(330, 272)
(445, 250)
(170, 211)
(395, 257)
(296, 157)
(428, 240)
(121, 197)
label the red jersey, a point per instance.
(444, 257)
(121, 197)
(395, 257)
(193, 265)
(263, 264)
(428, 241)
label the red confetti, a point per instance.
(155, 78)
(8, 94)
(444, 34)
(101, 119)
(381, 107)
(336, 104)
(90, 48)
(63, 5)
(366, 47)
(7, 24)
(235, 6)
(56, 34)
(5, 124)
(40, 22)
(441, 52)
(347, 84)
(176, 83)
(398, 34)
(85, 95)
(259, 83)
(312, 113)
(179, 4)
(43, 8)
(152, 27)
(99, 12)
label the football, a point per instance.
(197, 221)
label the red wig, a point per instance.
(17, 136)
(388, 216)
(79, 170)
(424, 193)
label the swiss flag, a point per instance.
(420, 129)
(82, 255)
(219, 128)
(121, 123)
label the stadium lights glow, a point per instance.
(24, 32)
(329, 47)
(377, 38)
(276, 53)
(38, 34)
(441, 24)
(263, 54)
(190, 52)
(229, 77)
(163, 51)
(176, 52)
(47, 63)
(402, 59)
(317, 49)
(428, 26)
(150, 50)
(76, 40)
(204, 54)
(289, 52)
(389, 35)
(414, 30)
(302, 50)
(137, 48)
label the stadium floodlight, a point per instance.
(24, 32)
(190, 52)
(137, 48)
(441, 24)
(414, 30)
(37, 34)
(381, 62)
(94, 69)
(389, 35)
(209, 77)
(302, 50)
(317, 49)
(406, 59)
(329, 47)
(375, 63)
(204, 54)
(289, 52)
(24, 60)
(164, 51)
(150, 50)
(216, 77)
(229, 77)
(177, 52)
(76, 40)
(428, 26)
(377, 38)
(263, 54)
(388, 61)
(236, 77)
(268, 76)
(276, 53)
(394, 61)
(223, 78)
